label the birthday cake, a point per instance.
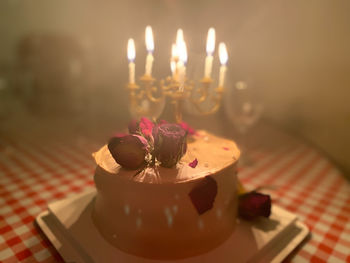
(163, 194)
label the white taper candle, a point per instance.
(223, 56)
(131, 57)
(150, 49)
(210, 50)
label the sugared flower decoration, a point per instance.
(253, 204)
(169, 144)
(128, 150)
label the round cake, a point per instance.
(169, 213)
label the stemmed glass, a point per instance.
(151, 110)
(243, 110)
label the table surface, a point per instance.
(36, 170)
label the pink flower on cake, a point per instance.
(146, 127)
(143, 127)
(129, 150)
(253, 204)
(187, 128)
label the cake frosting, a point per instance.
(169, 213)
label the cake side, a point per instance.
(161, 221)
(169, 213)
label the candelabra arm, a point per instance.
(150, 89)
(135, 97)
(202, 92)
(216, 99)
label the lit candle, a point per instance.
(173, 68)
(150, 49)
(179, 42)
(179, 37)
(182, 64)
(173, 60)
(210, 51)
(131, 57)
(223, 60)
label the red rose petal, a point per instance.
(203, 195)
(194, 163)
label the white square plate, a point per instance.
(68, 225)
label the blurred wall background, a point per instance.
(297, 52)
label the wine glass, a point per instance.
(243, 109)
(147, 108)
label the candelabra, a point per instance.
(175, 89)
(175, 93)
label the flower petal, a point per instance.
(194, 163)
(203, 195)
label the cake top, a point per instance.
(206, 154)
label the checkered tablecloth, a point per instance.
(34, 173)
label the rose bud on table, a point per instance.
(128, 150)
(169, 143)
(253, 204)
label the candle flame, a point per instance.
(131, 50)
(179, 37)
(174, 51)
(223, 54)
(149, 39)
(182, 49)
(211, 41)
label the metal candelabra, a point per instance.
(176, 92)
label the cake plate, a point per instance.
(68, 225)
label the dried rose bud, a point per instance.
(169, 143)
(133, 126)
(253, 204)
(129, 151)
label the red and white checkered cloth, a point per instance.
(33, 174)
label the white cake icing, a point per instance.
(152, 215)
